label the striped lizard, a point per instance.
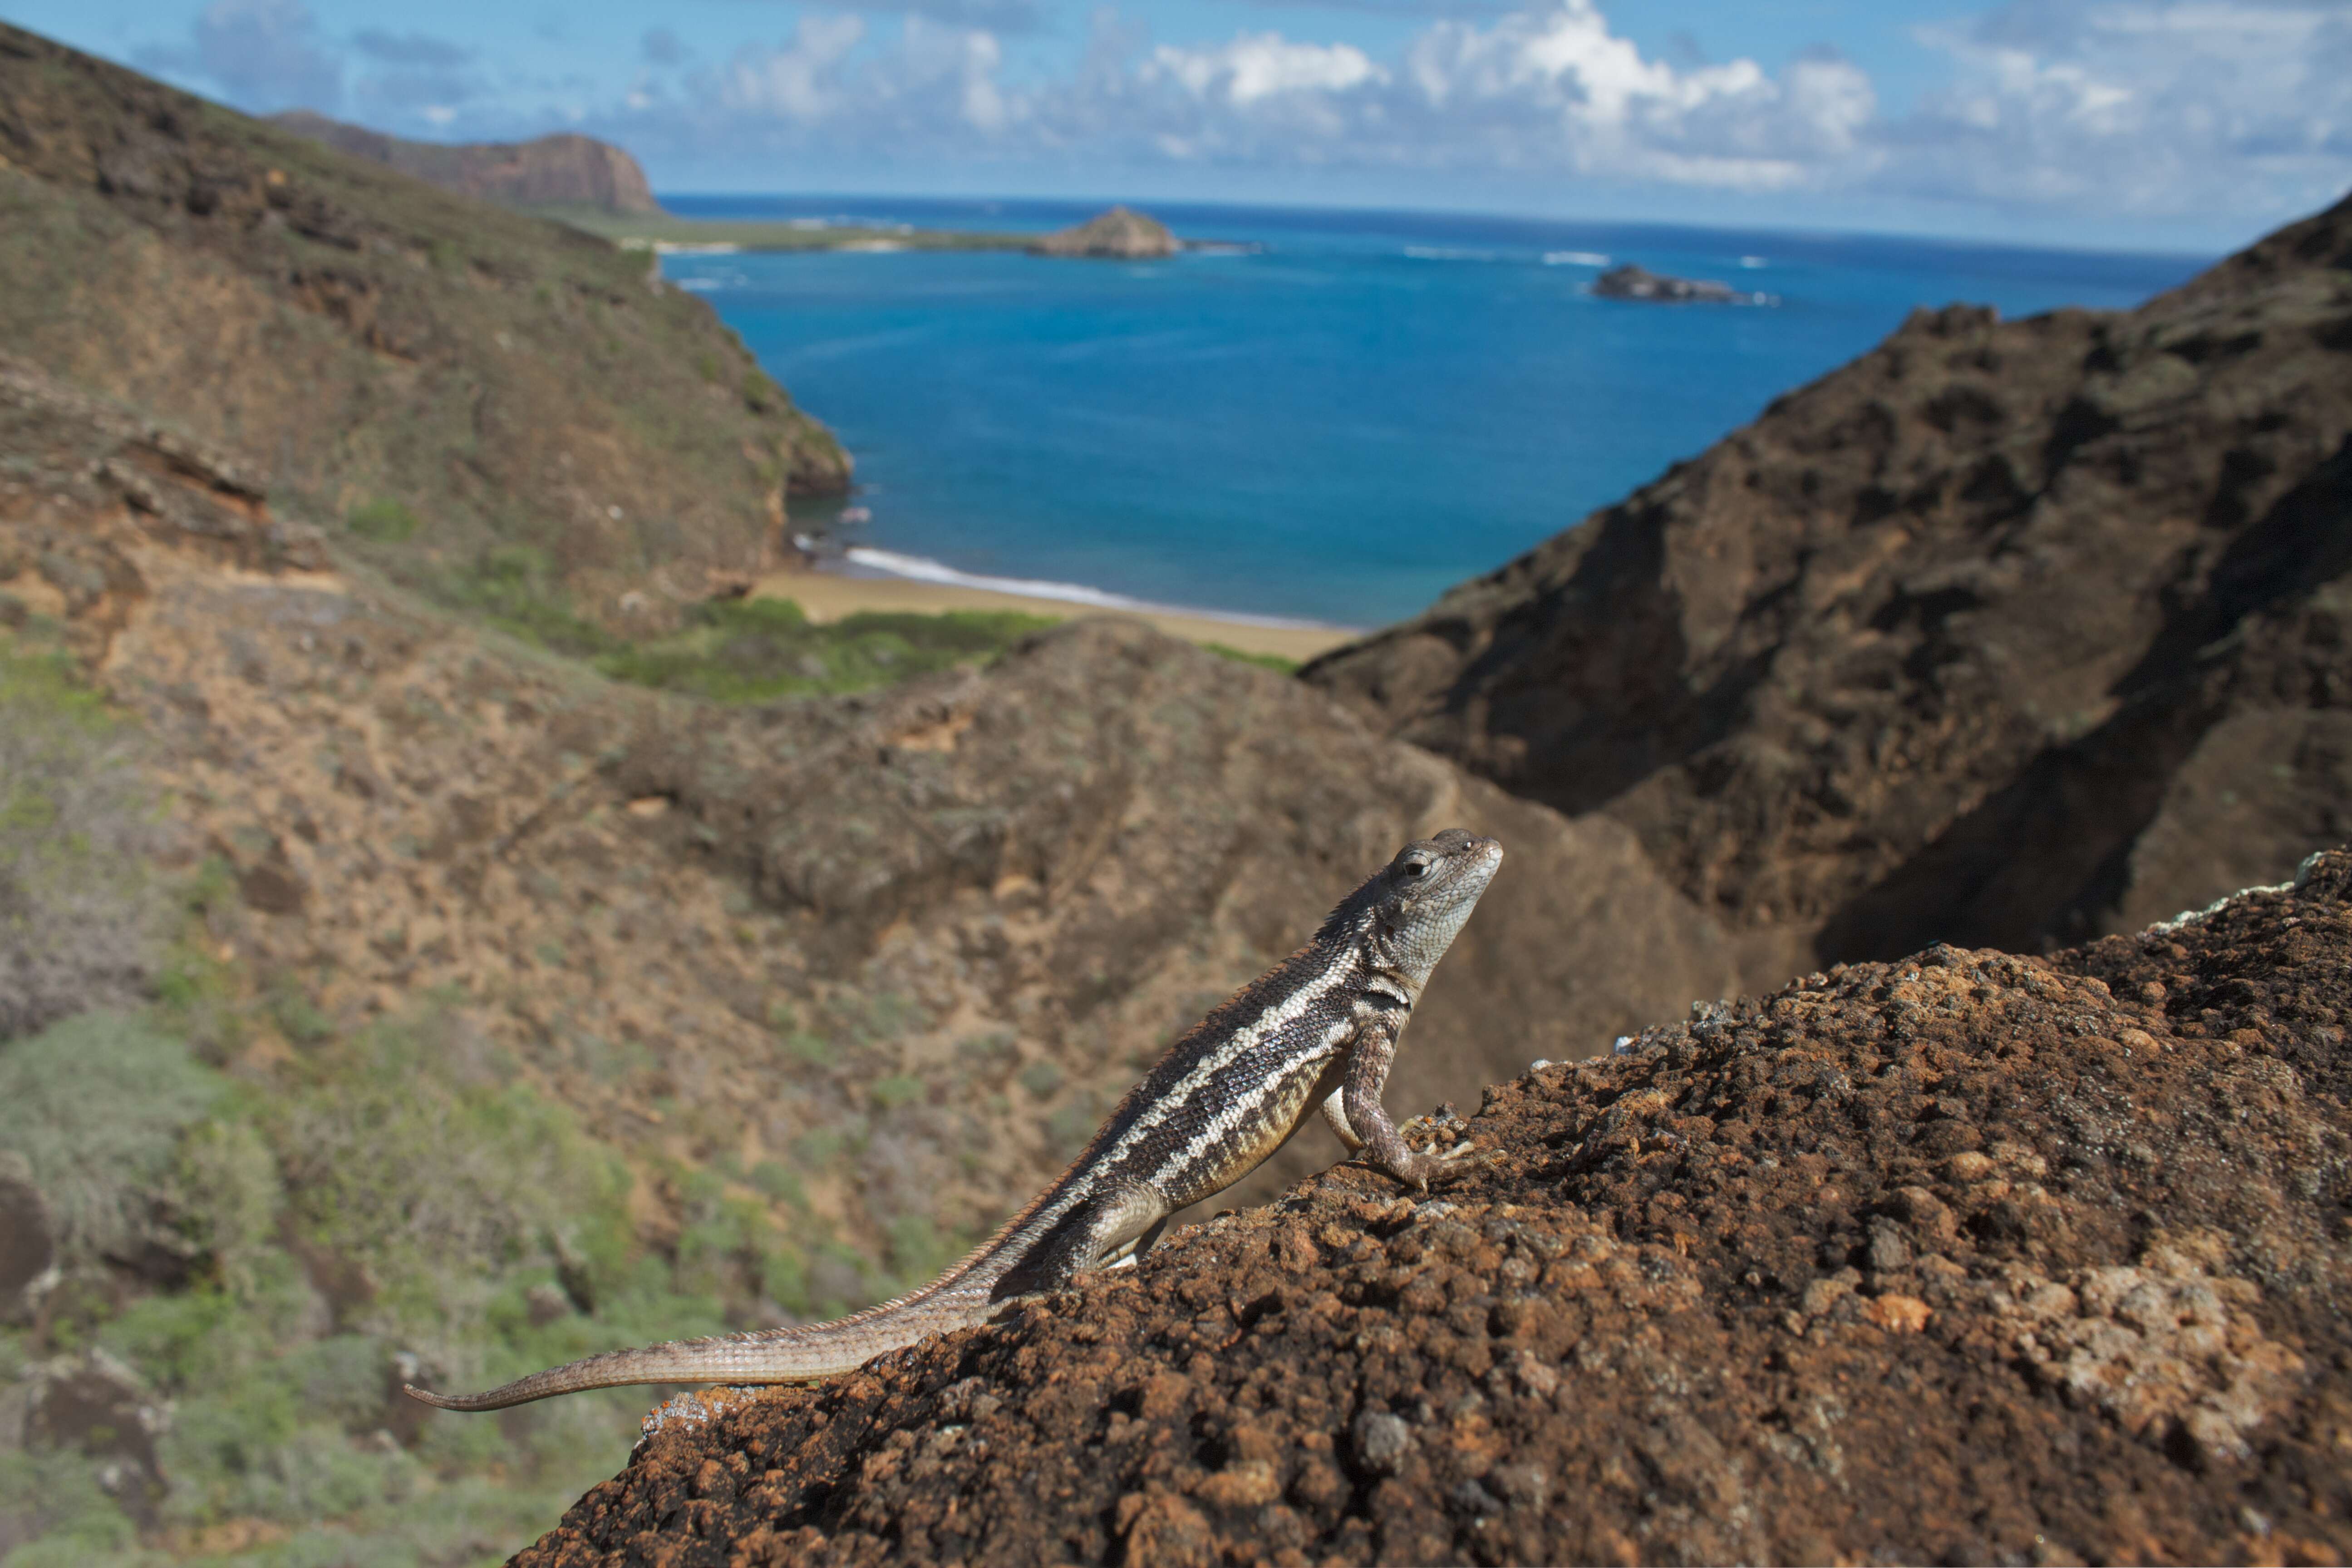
(1318, 1028)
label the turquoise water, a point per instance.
(1336, 425)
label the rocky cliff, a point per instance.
(2006, 632)
(432, 375)
(1969, 1258)
(564, 170)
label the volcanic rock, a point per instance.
(2008, 633)
(1121, 234)
(1965, 1258)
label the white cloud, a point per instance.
(2137, 106)
(1260, 65)
(2189, 112)
(264, 55)
(799, 80)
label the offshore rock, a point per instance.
(1964, 1257)
(1121, 234)
(1632, 282)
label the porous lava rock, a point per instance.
(2008, 633)
(1965, 1258)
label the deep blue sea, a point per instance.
(1336, 424)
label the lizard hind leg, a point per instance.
(1335, 1116)
(1108, 1226)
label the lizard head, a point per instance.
(1420, 900)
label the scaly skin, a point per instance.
(1319, 1028)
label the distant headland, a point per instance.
(563, 171)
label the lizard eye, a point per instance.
(1413, 868)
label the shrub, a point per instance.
(512, 1179)
(753, 650)
(97, 1103)
(516, 589)
(81, 921)
(383, 520)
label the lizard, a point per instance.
(1319, 1028)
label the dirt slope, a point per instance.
(1965, 1258)
(2008, 633)
(448, 375)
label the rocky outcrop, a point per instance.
(379, 343)
(1632, 282)
(1969, 1257)
(2008, 633)
(563, 169)
(1121, 234)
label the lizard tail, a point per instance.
(769, 1356)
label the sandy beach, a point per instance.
(828, 598)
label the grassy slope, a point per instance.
(265, 1153)
(369, 339)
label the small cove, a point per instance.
(1336, 423)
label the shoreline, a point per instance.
(830, 596)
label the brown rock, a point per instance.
(94, 1405)
(28, 1245)
(2009, 633)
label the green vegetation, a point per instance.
(274, 1251)
(81, 920)
(384, 521)
(97, 1103)
(1272, 661)
(326, 1262)
(750, 650)
(731, 650)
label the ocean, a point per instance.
(1334, 423)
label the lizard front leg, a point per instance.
(1368, 1128)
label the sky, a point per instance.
(2188, 126)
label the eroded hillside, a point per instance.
(2006, 632)
(434, 376)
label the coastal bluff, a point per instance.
(565, 170)
(1121, 234)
